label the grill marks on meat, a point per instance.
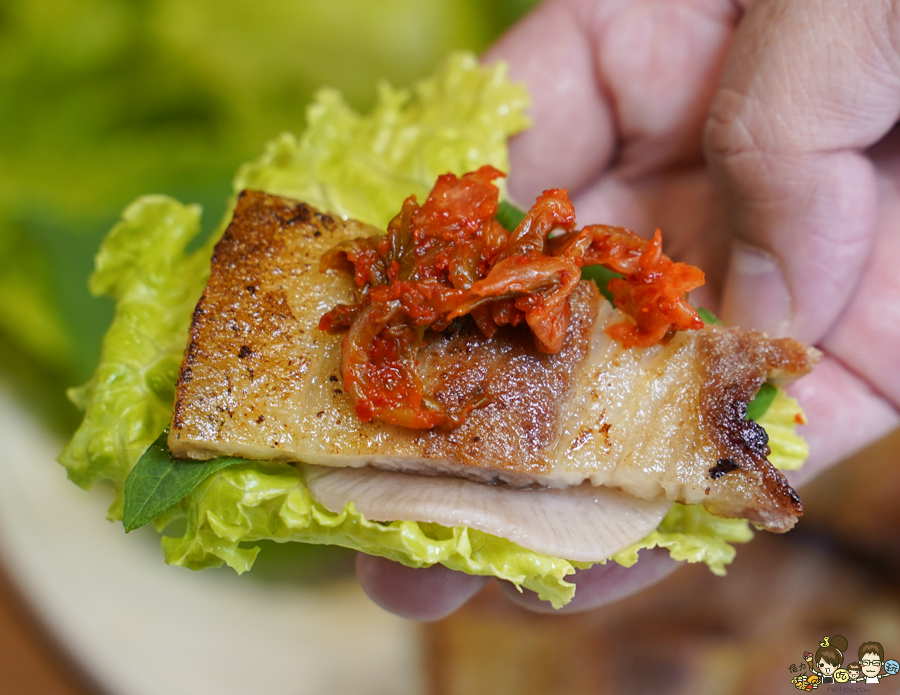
(259, 380)
(656, 420)
(516, 394)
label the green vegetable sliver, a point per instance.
(159, 481)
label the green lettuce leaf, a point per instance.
(780, 420)
(143, 265)
(365, 166)
(101, 98)
(708, 316)
(692, 534)
(244, 504)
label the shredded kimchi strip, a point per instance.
(450, 258)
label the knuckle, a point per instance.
(727, 135)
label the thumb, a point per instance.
(808, 86)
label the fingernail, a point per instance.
(756, 295)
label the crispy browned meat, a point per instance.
(260, 380)
(734, 364)
(521, 394)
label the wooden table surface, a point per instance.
(31, 663)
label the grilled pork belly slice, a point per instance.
(583, 523)
(259, 380)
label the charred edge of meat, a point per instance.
(722, 467)
(736, 364)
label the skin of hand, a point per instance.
(760, 137)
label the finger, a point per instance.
(838, 425)
(853, 397)
(867, 338)
(624, 84)
(807, 87)
(602, 584)
(423, 594)
(573, 134)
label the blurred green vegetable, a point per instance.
(104, 100)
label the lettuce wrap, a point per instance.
(360, 166)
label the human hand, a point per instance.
(760, 136)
